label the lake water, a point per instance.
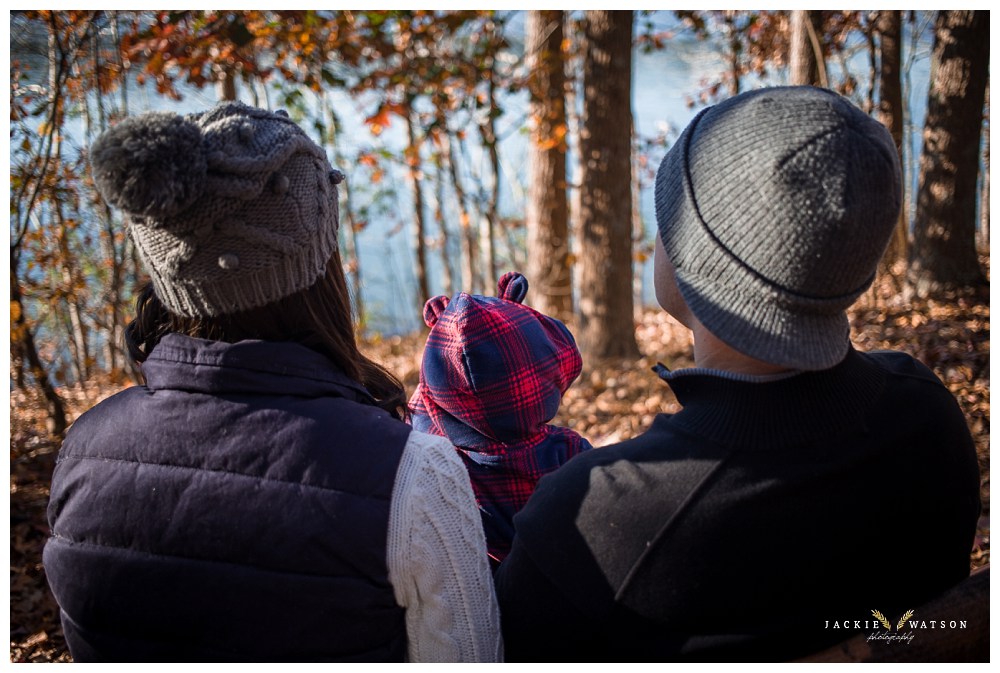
(663, 82)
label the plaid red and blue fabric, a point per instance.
(492, 377)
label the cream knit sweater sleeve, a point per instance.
(437, 558)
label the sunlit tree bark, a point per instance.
(547, 214)
(890, 110)
(606, 319)
(805, 59)
(445, 241)
(943, 255)
(471, 274)
(412, 154)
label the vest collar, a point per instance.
(181, 362)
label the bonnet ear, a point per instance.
(152, 165)
(434, 308)
(512, 286)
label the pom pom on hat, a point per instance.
(153, 165)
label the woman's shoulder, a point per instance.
(111, 407)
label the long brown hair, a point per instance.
(318, 317)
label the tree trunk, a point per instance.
(72, 340)
(78, 331)
(488, 131)
(870, 30)
(449, 281)
(805, 58)
(943, 256)
(115, 249)
(890, 110)
(118, 246)
(606, 321)
(574, 76)
(71, 284)
(122, 67)
(984, 196)
(76, 336)
(17, 373)
(547, 216)
(413, 161)
(22, 334)
(488, 252)
(471, 278)
(638, 233)
(115, 252)
(347, 220)
(735, 48)
(225, 83)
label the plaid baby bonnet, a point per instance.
(492, 377)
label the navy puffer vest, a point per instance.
(235, 508)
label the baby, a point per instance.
(493, 375)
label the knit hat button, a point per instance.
(281, 183)
(229, 261)
(245, 132)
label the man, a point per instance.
(803, 483)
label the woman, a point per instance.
(259, 498)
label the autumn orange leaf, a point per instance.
(379, 121)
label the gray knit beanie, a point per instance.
(230, 209)
(775, 207)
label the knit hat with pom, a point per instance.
(230, 209)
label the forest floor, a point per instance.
(612, 400)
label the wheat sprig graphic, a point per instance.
(885, 622)
(905, 618)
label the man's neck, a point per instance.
(712, 353)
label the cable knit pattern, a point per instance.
(230, 209)
(437, 558)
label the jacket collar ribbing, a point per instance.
(780, 413)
